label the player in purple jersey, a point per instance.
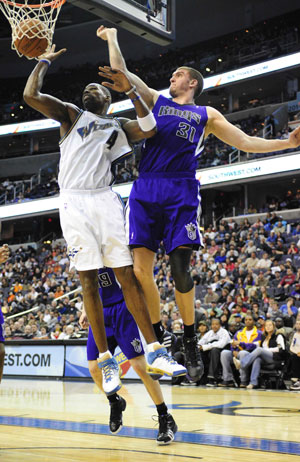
(4, 255)
(121, 330)
(164, 203)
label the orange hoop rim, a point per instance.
(52, 4)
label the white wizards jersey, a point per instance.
(88, 149)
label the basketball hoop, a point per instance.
(25, 10)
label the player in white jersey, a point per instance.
(91, 214)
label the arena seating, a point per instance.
(34, 278)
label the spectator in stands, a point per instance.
(250, 248)
(262, 280)
(265, 262)
(237, 311)
(244, 341)
(286, 331)
(296, 291)
(211, 345)
(287, 280)
(251, 262)
(272, 350)
(201, 330)
(275, 282)
(280, 227)
(295, 357)
(28, 335)
(293, 249)
(289, 312)
(252, 209)
(211, 296)
(256, 311)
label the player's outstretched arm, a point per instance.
(145, 125)
(117, 61)
(228, 133)
(46, 104)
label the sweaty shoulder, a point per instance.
(72, 114)
(73, 111)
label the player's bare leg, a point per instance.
(2, 355)
(143, 264)
(153, 387)
(185, 303)
(185, 294)
(143, 269)
(159, 362)
(135, 301)
(93, 307)
(94, 310)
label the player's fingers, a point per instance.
(107, 84)
(100, 29)
(61, 52)
(106, 76)
(105, 68)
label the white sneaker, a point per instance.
(159, 362)
(111, 382)
(295, 386)
(237, 363)
(251, 387)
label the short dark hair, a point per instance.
(194, 74)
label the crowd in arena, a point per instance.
(244, 276)
(14, 192)
(271, 38)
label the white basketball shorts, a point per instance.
(93, 226)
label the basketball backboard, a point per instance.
(153, 20)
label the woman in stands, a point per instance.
(295, 357)
(272, 351)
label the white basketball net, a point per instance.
(22, 10)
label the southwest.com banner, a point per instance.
(77, 364)
(250, 169)
(34, 360)
(214, 175)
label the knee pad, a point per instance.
(180, 269)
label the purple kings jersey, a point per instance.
(109, 288)
(179, 140)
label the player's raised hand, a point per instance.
(52, 55)
(103, 32)
(121, 83)
(4, 253)
(294, 138)
(83, 320)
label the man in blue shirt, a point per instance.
(289, 312)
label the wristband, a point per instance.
(132, 89)
(44, 60)
(147, 123)
(136, 98)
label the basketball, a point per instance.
(30, 41)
